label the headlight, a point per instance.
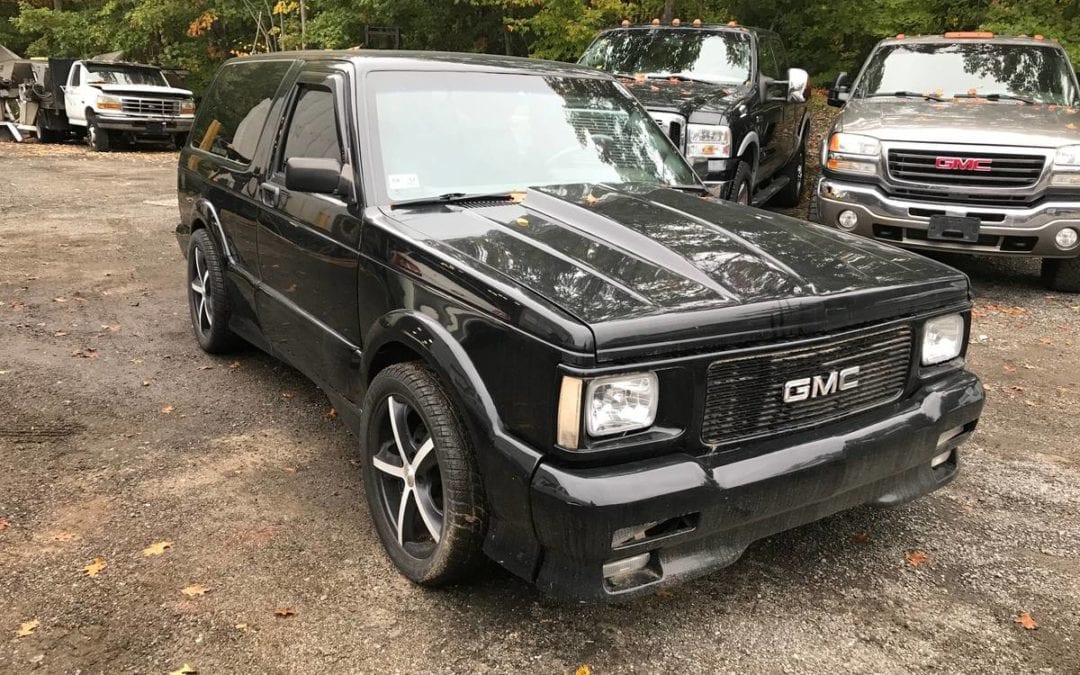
(851, 153)
(187, 106)
(943, 339)
(106, 102)
(853, 144)
(708, 141)
(1068, 158)
(621, 403)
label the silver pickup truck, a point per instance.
(965, 142)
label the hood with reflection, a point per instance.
(684, 96)
(606, 253)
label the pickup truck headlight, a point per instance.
(621, 403)
(707, 141)
(106, 102)
(187, 106)
(852, 153)
(1066, 167)
(943, 339)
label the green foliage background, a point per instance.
(824, 36)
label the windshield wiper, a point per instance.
(998, 97)
(907, 94)
(457, 198)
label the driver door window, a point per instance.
(313, 127)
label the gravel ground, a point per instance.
(118, 433)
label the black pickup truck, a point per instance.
(554, 346)
(726, 97)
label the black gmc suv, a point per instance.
(555, 347)
(725, 95)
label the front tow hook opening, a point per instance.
(629, 573)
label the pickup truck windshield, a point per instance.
(1002, 71)
(128, 75)
(723, 58)
(481, 133)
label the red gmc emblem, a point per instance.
(962, 164)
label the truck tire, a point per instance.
(49, 135)
(421, 477)
(1061, 274)
(796, 175)
(742, 188)
(207, 297)
(100, 140)
(813, 212)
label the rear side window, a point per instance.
(313, 129)
(232, 116)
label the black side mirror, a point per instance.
(309, 174)
(839, 90)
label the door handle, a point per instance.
(269, 194)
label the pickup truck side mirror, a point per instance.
(798, 85)
(317, 175)
(839, 90)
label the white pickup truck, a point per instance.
(120, 102)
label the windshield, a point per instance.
(480, 133)
(125, 75)
(722, 57)
(1040, 74)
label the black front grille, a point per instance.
(744, 395)
(965, 168)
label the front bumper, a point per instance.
(1004, 231)
(714, 511)
(145, 125)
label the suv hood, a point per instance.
(658, 271)
(144, 89)
(971, 121)
(682, 96)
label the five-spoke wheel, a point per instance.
(421, 476)
(207, 300)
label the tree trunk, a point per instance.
(669, 12)
(58, 5)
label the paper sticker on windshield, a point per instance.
(402, 181)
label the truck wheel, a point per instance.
(50, 136)
(180, 140)
(207, 299)
(99, 139)
(1061, 274)
(796, 174)
(742, 189)
(421, 477)
(813, 213)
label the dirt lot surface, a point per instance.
(117, 433)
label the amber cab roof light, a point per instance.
(697, 23)
(626, 23)
(970, 34)
(733, 23)
(676, 22)
(656, 22)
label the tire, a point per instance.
(208, 301)
(796, 173)
(742, 188)
(445, 518)
(1061, 274)
(813, 212)
(100, 140)
(50, 135)
(180, 140)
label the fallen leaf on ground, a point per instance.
(284, 612)
(94, 568)
(167, 410)
(916, 558)
(583, 669)
(861, 537)
(664, 593)
(112, 328)
(63, 536)
(332, 414)
(195, 590)
(205, 367)
(184, 670)
(241, 626)
(1010, 369)
(59, 333)
(1046, 341)
(157, 549)
(288, 395)
(4, 524)
(1025, 620)
(234, 365)
(27, 628)
(146, 383)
